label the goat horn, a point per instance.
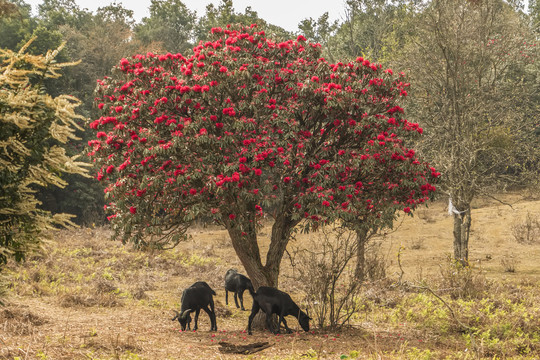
(185, 313)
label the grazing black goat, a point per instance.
(237, 283)
(273, 301)
(196, 297)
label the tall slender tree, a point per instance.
(470, 64)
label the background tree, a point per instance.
(104, 39)
(34, 130)
(99, 44)
(534, 10)
(369, 26)
(322, 32)
(45, 39)
(225, 14)
(171, 24)
(57, 13)
(16, 23)
(7, 8)
(246, 124)
(470, 62)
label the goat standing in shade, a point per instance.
(237, 283)
(196, 297)
(273, 301)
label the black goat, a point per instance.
(196, 297)
(273, 301)
(237, 283)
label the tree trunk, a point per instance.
(465, 232)
(462, 227)
(247, 250)
(281, 232)
(457, 236)
(361, 240)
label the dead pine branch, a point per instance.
(452, 313)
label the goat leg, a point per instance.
(254, 310)
(289, 331)
(270, 325)
(212, 316)
(196, 319)
(241, 297)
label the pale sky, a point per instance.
(284, 13)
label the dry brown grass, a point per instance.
(86, 297)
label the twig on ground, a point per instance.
(246, 349)
(465, 327)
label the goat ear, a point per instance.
(176, 315)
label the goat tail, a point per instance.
(213, 292)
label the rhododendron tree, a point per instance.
(245, 127)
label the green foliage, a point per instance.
(368, 27)
(16, 23)
(225, 14)
(35, 129)
(170, 26)
(504, 322)
(420, 354)
(59, 13)
(44, 39)
(321, 31)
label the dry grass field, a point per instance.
(87, 297)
